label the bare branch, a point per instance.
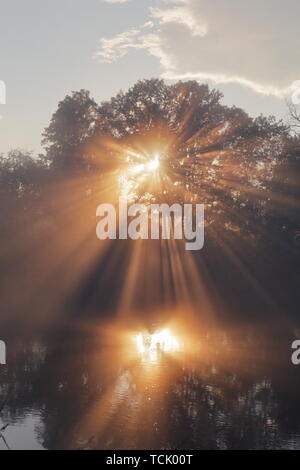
(294, 115)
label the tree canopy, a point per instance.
(209, 152)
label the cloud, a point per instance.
(115, 48)
(179, 15)
(253, 43)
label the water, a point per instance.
(226, 391)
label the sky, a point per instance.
(248, 50)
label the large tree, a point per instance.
(207, 152)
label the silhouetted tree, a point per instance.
(71, 125)
(209, 152)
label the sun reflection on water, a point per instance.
(162, 340)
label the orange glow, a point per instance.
(153, 164)
(162, 340)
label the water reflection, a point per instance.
(233, 391)
(150, 345)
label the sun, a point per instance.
(153, 164)
(144, 165)
(141, 169)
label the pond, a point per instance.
(227, 389)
